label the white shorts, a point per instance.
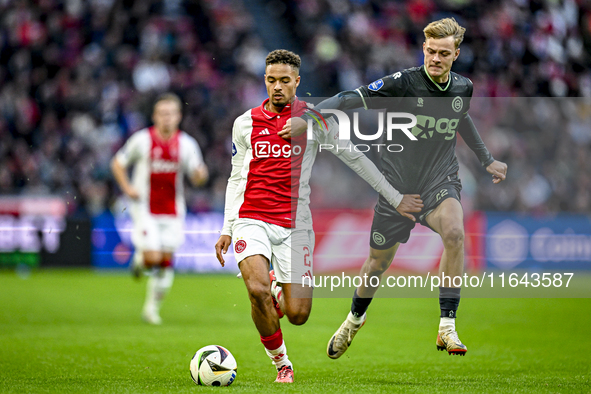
(157, 232)
(289, 251)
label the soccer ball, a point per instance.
(213, 366)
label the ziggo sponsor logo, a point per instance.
(164, 166)
(265, 149)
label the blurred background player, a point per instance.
(267, 205)
(428, 167)
(160, 155)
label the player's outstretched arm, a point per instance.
(348, 99)
(394, 85)
(221, 247)
(410, 203)
(498, 169)
(367, 170)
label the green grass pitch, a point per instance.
(80, 332)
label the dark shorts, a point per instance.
(389, 227)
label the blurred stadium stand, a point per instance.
(78, 77)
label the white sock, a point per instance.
(355, 320)
(279, 356)
(159, 284)
(446, 323)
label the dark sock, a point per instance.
(359, 305)
(449, 300)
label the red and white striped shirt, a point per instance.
(158, 169)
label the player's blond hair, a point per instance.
(444, 28)
(169, 97)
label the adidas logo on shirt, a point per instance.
(266, 131)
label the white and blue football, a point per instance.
(213, 365)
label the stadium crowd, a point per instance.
(78, 77)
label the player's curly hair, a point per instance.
(444, 28)
(283, 56)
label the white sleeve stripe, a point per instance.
(362, 98)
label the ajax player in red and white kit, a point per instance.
(267, 205)
(160, 156)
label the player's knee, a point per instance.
(454, 237)
(378, 264)
(298, 310)
(258, 293)
(298, 317)
(152, 258)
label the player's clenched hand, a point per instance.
(294, 127)
(498, 169)
(222, 246)
(410, 203)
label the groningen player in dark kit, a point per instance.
(440, 100)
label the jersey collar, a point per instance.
(155, 134)
(438, 86)
(296, 105)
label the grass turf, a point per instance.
(80, 332)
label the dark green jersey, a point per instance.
(441, 112)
